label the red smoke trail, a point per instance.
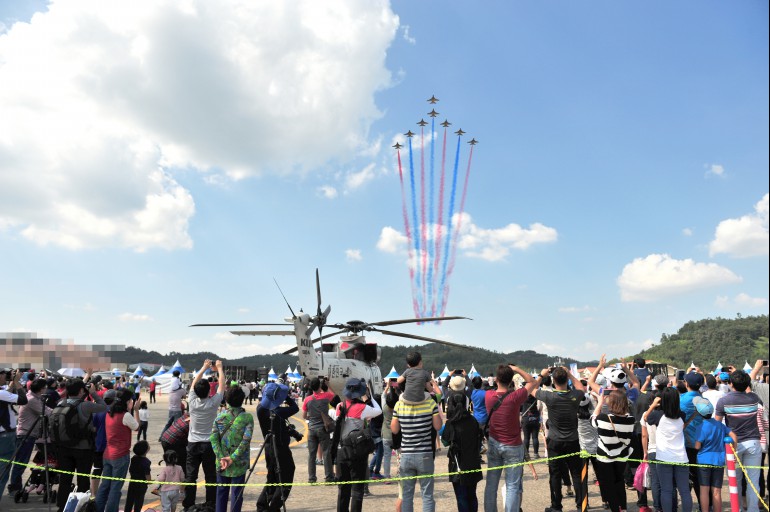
(439, 224)
(408, 233)
(423, 226)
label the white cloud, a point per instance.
(659, 275)
(476, 242)
(327, 191)
(353, 255)
(687, 232)
(744, 237)
(102, 101)
(355, 180)
(575, 309)
(716, 170)
(409, 39)
(242, 310)
(133, 317)
(391, 240)
(741, 300)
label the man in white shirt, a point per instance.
(203, 412)
(713, 394)
(174, 401)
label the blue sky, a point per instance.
(161, 163)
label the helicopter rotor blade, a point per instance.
(318, 290)
(263, 333)
(232, 325)
(419, 320)
(422, 338)
(284, 299)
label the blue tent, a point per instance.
(393, 373)
(445, 373)
(176, 367)
(271, 374)
(295, 374)
(161, 371)
(473, 372)
(139, 372)
(718, 369)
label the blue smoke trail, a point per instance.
(414, 222)
(443, 276)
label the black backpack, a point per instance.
(66, 429)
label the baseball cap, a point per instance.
(703, 406)
(694, 380)
(661, 380)
(724, 376)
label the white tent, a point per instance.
(166, 382)
(271, 374)
(71, 372)
(445, 373)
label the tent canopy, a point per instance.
(71, 372)
(176, 367)
(473, 372)
(445, 373)
(393, 373)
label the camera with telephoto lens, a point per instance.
(293, 432)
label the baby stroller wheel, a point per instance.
(45, 498)
(24, 497)
(53, 496)
(17, 496)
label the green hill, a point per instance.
(707, 342)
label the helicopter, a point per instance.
(351, 356)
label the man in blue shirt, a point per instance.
(694, 381)
(479, 409)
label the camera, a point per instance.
(457, 372)
(293, 432)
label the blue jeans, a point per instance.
(387, 453)
(7, 447)
(235, 494)
(499, 454)
(669, 476)
(415, 464)
(376, 462)
(22, 457)
(109, 493)
(750, 454)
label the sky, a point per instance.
(162, 163)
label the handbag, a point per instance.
(328, 423)
(642, 477)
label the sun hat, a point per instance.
(703, 406)
(661, 380)
(354, 388)
(273, 395)
(457, 383)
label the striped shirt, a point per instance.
(416, 421)
(614, 436)
(740, 409)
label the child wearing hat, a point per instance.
(710, 443)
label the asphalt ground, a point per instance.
(324, 498)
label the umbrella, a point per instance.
(393, 373)
(71, 372)
(445, 373)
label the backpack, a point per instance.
(65, 424)
(359, 443)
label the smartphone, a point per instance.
(680, 375)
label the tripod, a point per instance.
(270, 437)
(19, 494)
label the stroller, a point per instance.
(36, 483)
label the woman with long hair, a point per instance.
(669, 442)
(615, 429)
(462, 435)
